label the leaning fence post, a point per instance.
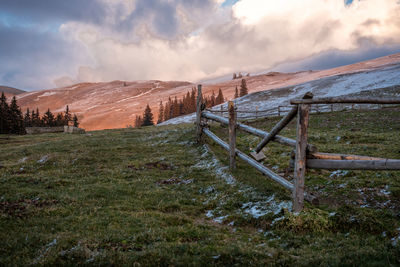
(232, 135)
(199, 102)
(300, 160)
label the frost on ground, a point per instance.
(44, 159)
(210, 162)
(253, 203)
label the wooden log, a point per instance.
(281, 124)
(232, 135)
(261, 168)
(318, 155)
(277, 128)
(384, 165)
(348, 100)
(269, 173)
(300, 161)
(257, 132)
(198, 114)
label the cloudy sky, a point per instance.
(51, 43)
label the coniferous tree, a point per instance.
(187, 103)
(4, 115)
(138, 121)
(167, 111)
(160, 113)
(243, 88)
(212, 99)
(175, 112)
(220, 97)
(37, 121)
(27, 118)
(60, 120)
(16, 118)
(234, 76)
(33, 115)
(75, 120)
(236, 92)
(147, 116)
(67, 115)
(193, 100)
(48, 119)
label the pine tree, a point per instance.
(17, 119)
(234, 76)
(236, 92)
(59, 119)
(212, 99)
(160, 113)
(75, 120)
(48, 119)
(67, 116)
(193, 100)
(243, 88)
(27, 118)
(147, 116)
(167, 111)
(4, 115)
(37, 121)
(220, 97)
(175, 112)
(138, 121)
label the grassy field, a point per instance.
(151, 196)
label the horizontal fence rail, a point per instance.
(304, 155)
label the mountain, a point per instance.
(104, 105)
(10, 91)
(379, 77)
(115, 104)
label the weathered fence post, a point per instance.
(331, 107)
(256, 112)
(222, 114)
(198, 114)
(300, 160)
(232, 135)
(279, 111)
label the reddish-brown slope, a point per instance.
(115, 104)
(10, 91)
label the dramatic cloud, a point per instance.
(186, 39)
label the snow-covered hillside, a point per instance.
(267, 102)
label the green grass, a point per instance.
(151, 196)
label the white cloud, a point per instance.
(258, 35)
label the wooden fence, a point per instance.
(305, 155)
(283, 110)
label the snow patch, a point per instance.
(209, 161)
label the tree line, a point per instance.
(186, 105)
(12, 121)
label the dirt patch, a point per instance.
(21, 207)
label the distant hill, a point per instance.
(107, 105)
(10, 91)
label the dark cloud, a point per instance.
(162, 16)
(336, 58)
(55, 10)
(29, 56)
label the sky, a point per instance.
(52, 43)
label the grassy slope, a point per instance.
(106, 198)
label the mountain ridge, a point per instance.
(115, 104)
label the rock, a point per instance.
(73, 130)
